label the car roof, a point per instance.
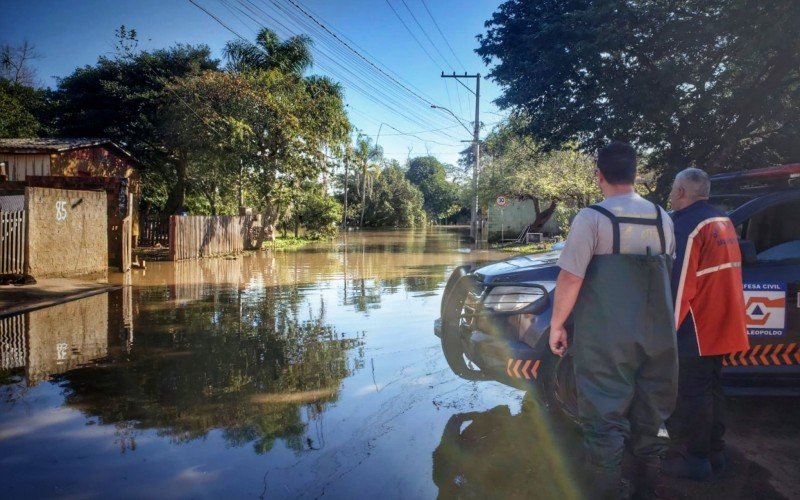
(756, 181)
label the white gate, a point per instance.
(12, 242)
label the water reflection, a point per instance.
(496, 454)
(256, 361)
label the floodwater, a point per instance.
(299, 374)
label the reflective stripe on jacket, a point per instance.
(707, 283)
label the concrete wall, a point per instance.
(67, 232)
(511, 220)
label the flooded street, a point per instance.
(298, 374)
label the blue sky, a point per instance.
(71, 33)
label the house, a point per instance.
(94, 164)
(65, 157)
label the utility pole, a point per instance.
(473, 225)
(346, 164)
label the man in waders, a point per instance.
(710, 314)
(615, 274)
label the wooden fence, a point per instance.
(195, 236)
(154, 231)
(12, 242)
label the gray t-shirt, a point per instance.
(591, 233)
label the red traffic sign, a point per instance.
(502, 201)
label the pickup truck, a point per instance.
(495, 319)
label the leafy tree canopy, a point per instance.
(21, 110)
(429, 176)
(714, 84)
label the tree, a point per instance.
(22, 110)
(292, 56)
(395, 202)
(292, 119)
(208, 136)
(15, 64)
(714, 84)
(122, 98)
(429, 176)
(514, 165)
(318, 213)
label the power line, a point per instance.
(301, 9)
(425, 4)
(435, 47)
(301, 22)
(249, 6)
(397, 14)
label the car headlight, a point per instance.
(511, 298)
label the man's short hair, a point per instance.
(695, 182)
(617, 162)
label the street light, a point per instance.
(454, 116)
(473, 223)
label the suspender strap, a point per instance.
(616, 221)
(614, 224)
(660, 227)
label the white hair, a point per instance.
(695, 182)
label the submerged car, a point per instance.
(495, 319)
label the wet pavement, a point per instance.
(299, 374)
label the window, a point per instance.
(775, 232)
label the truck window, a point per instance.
(775, 232)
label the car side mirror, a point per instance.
(748, 251)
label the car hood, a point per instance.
(540, 266)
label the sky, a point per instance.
(411, 42)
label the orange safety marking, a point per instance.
(765, 355)
(754, 354)
(529, 369)
(786, 353)
(775, 359)
(525, 369)
(516, 368)
(743, 358)
(764, 358)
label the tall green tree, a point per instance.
(23, 110)
(515, 165)
(395, 201)
(714, 83)
(122, 98)
(429, 176)
(291, 56)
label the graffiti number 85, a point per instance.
(61, 210)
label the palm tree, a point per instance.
(291, 56)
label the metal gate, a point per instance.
(12, 242)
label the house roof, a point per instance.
(45, 145)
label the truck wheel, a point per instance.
(557, 383)
(565, 390)
(459, 286)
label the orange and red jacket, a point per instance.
(707, 282)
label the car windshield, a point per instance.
(729, 202)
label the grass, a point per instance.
(287, 243)
(524, 248)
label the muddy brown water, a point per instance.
(297, 374)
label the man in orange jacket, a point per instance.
(710, 315)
